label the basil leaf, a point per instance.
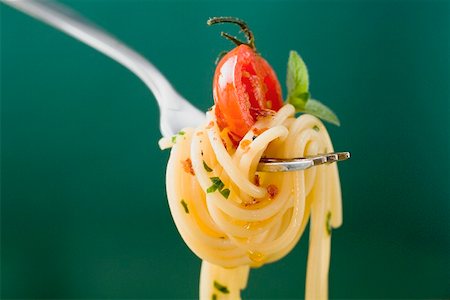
(297, 82)
(297, 78)
(299, 102)
(321, 111)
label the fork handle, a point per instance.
(69, 22)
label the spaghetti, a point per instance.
(235, 218)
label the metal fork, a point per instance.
(302, 163)
(175, 111)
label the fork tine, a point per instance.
(343, 155)
(302, 163)
(318, 160)
(331, 157)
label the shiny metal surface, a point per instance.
(301, 163)
(175, 111)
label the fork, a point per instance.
(176, 112)
(173, 107)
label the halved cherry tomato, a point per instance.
(244, 87)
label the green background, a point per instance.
(83, 208)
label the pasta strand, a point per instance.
(233, 217)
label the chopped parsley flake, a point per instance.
(221, 288)
(217, 185)
(316, 128)
(207, 168)
(328, 224)
(211, 189)
(185, 206)
(174, 138)
(225, 193)
(214, 297)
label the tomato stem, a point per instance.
(244, 28)
(232, 38)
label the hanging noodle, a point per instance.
(234, 218)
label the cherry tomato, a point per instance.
(244, 86)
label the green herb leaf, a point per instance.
(174, 138)
(221, 288)
(297, 82)
(185, 206)
(211, 189)
(225, 193)
(217, 182)
(207, 168)
(214, 297)
(321, 111)
(328, 224)
(217, 185)
(299, 102)
(297, 78)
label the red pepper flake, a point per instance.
(187, 166)
(272, 190)
(256, 179)
(252, 202)
(210, 125)
(245, 145)
(258, 131)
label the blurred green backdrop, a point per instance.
(83, 207)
